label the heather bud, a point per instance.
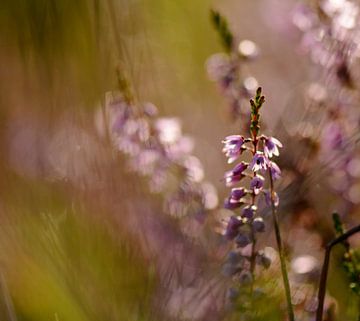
(258, 224)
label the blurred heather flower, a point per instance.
(226, 69)
(331, 37)
(234, 257)
(233, 293)
(242, 240)
(155, 147)
(333, 136)
(168, 129)
(232, 228)
(229, 270)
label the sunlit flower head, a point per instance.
(235, 199)
(233, 147)
(249, 211)
(236, 174)
(274, 170)
(271, 146)
(259, 162)
(242, 240)
(256, 184)
(169, 130)
(258, 224)
(232, 228)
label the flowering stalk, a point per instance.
(254, 130)
(157, 149)
(226, 69)
(262, 149)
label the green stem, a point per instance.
(281, 252)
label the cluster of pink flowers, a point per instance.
(157, 149)
(331, 36)
(245, 198)
(243, 227)
(227, 68)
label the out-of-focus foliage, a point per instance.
(59, 263)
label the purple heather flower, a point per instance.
(236, 174)
(218, 67)
(271, 146)
(230, 204)
(242, 240)
(233, 147)
(258, 224)
(248, 211)
(234, 258)
(257, 183)
(232, 294)
(168, 129)
(234, 201)
(268, 198)
(232, 227)
(333, 136)
(229, 269)
(259, 162)
(237, 193)
(275, 170)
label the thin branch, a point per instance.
(325, 268)
(281, 251)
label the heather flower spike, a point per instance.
(235, 175)
(259, 162)
(272, 146)
(262, 149)
(226, 68)
(155, 146)
(233, 147)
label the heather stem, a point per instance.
(325, 268)
(281, 252)
(253, 237)
(253, 257)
